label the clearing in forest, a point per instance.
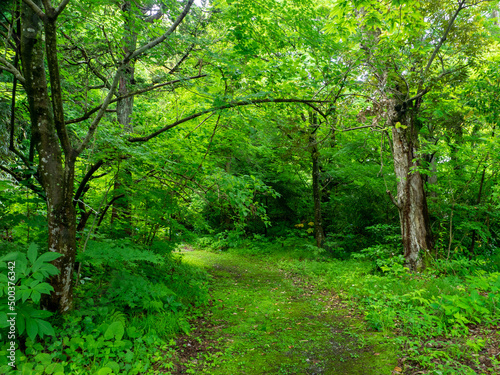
(263, 321)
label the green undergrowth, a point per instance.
(130, 303)
(446, 323)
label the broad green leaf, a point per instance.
(44, 288)
(115, 330)
(9, 257)
(104, 371)
(3, 320)
(49, 257)
(54, 368)
(31, 328)
(32, 253)
(45, 328)
(43, 358)
(20, 324)
(35, 296)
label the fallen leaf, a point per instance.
(398, 369)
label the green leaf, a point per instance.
(35, 296)
(49, 257)
(48, 269)
(9, 256)
(45, 328)
(32, 252)
(40, 314)
(31, 328)
(54, 368)
(43, 288)
(114, 366)
(25, 294)
(115, 330)
(104, 371)
(21, 324)
(43, 358)
(3, 320)
(34, 283)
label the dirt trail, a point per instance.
(265, 322)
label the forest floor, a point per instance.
(264, 321)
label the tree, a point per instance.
(38, 48)
(402, 49)
(51, 38)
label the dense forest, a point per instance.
(169, 167)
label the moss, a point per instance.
(267, 323)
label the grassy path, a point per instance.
(265, 322)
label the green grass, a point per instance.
(268, 323)
(441, 322)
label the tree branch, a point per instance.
(225, 106)
(120, 71)
(138, 92)
(100, 113)
(36, 9)
(393, 199)
(107, 208)
(55, 86)
(186, 55)
(88, 61)
(61, 7)
(12, 69)
(443, 38)
(356, 128)
(161, 38)
(86, 179)
(37, 190)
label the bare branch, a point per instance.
(47, 5)
(88, 61)
(186, 55)
(31, 186)
(110, 203)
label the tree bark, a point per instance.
(411, 198)
(56, 170)
(124, 109)
(319, 233)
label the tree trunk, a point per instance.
(124, 109)
(411, 199)
(319, 234)
(56, 170)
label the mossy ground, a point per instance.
(265, 322)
